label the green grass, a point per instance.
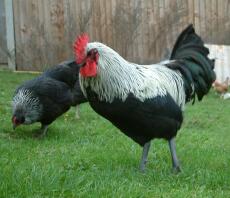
(91, 158)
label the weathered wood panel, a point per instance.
(142, 31)
(3, 51)
(212, 20)
(40, 38)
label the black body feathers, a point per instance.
(159, 117)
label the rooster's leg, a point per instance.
(175, 161)
(77, 116)
(144, 156)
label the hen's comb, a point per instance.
(80, 47)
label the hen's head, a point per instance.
(87, 58)
(26, 108)
(18, 117)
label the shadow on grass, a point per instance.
(24, 134)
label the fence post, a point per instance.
(10, 34)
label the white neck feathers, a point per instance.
(117, 78)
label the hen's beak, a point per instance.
(14, 126)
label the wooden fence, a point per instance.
(142, 31)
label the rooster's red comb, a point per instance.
(80, 47)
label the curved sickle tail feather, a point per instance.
(191, 59)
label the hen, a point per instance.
(48, 96)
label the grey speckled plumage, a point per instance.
(48, 96)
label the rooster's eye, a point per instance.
(92, 52)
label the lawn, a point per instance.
(91, 158)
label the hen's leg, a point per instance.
(43, 131)
(77, 116)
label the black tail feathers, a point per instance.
(191, 59)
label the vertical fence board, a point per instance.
(10, 40)
(3, 49)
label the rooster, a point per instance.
(47, 96)
(145, 101)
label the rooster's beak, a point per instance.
(82, 64)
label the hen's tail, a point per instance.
(191, 59)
